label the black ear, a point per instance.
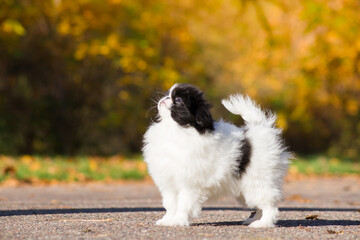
(203, 119)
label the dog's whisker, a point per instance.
(149, 111)
(161, 93)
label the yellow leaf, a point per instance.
(27, 159)
(93, 165)
(64, 27)
(352, 107)
(281, 121)
(13, 26)
(123, 95)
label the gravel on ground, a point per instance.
(313, 208)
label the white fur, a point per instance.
(190, 168)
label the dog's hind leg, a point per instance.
(268, 218)
(253, 217)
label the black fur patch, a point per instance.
(190, 108)
(244, 160)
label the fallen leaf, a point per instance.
(312, 217)
(54, 202)
(9, 170)
(329, 231)
(354, 203)
(304, 228)
(298, 198)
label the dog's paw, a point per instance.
(173, 222)
(163, 222)
(181, 222)
(261, 224)
(166, 220)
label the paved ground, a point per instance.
(129, 211)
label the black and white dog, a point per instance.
(192, 158)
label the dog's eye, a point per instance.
(178, 100)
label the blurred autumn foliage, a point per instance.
(79, 76)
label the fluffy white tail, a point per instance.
(248, 110)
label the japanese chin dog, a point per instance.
(193, 158)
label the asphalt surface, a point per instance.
(129, 211)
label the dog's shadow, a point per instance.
(296, 222)
(288, 223)
(280, 223)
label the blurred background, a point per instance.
(78, 77)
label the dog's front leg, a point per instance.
(186, 203)
(169, 199)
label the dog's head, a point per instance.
(186, 105)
